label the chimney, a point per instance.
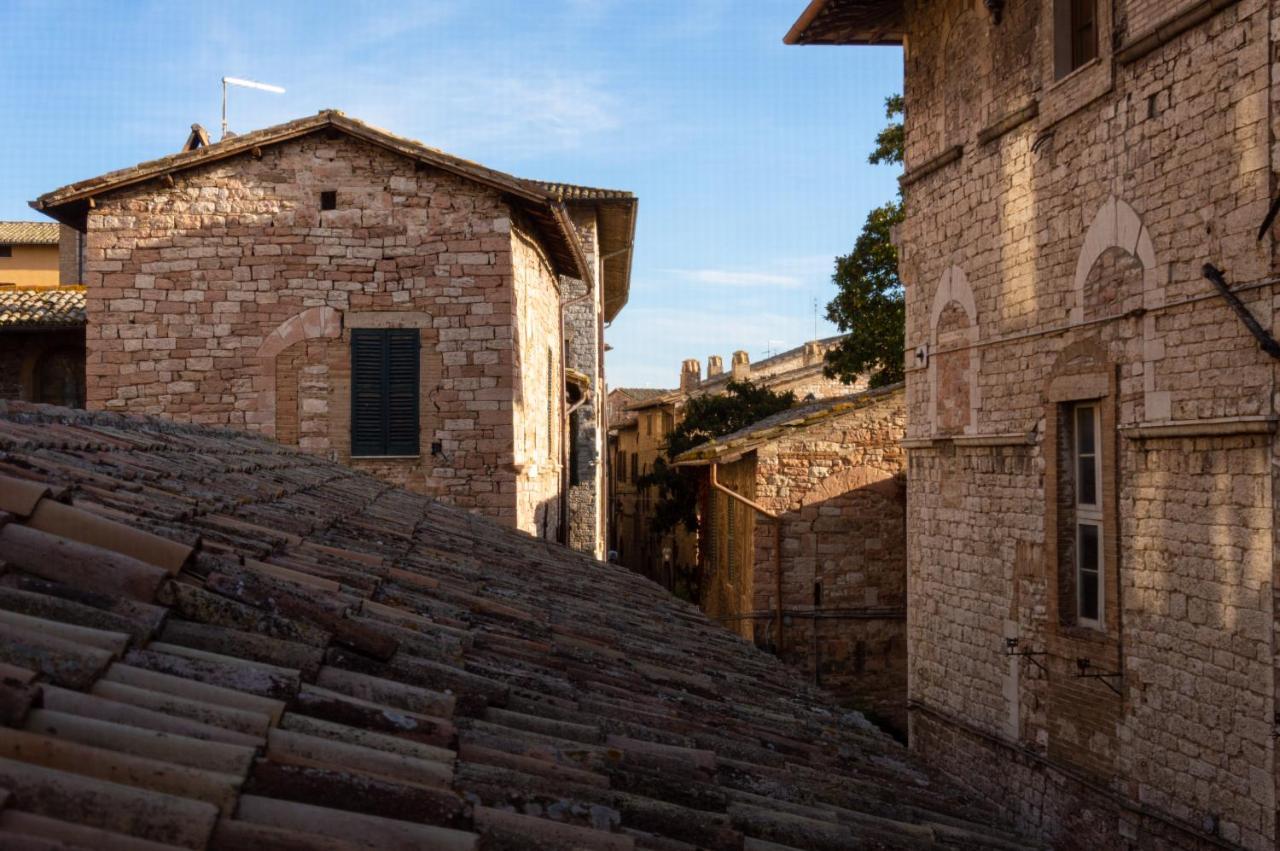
(812, 353)
(715, 366)
(690, 374)
(741, 365)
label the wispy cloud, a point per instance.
(729, 277)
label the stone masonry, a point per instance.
(1058, 222)
(220, 292)
(834, 472)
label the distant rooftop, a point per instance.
(42, 309)
(779, 424)
(29, 233)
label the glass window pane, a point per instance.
(1086, 481)
(1088, 576)
(1084, 430)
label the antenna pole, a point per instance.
(224, 109)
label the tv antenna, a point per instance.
(244, 84)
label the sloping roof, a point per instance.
(616, 210)
(784, 423)
(209, 640)
(28, 233)
(849, 22)
(640, 394)
(33, 309)
(70, 203)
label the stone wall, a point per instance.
(539, 405)
(1059, 260)
(837, 483)
(197, 290)
(22, 355)
(583, 337)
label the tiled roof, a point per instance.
(616, 209)
(208, 640)
(29, 233)
(784, 422)
(69, 203)
(640, 394)
(571, 192)
(32, 309)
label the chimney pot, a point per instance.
(690, 374)
(741, 365)
(715, 366)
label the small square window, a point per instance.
(6, 250)
(329, 199)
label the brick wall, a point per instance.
(1078, 236)
(197, 290)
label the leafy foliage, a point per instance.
(892, 139)
(870, 305)
(705, 417)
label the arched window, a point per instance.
(953, 360)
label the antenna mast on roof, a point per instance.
(247, 84)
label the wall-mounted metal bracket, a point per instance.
(1265, 341)
(1083, 666)
(1011, 649)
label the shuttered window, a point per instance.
(384, 392)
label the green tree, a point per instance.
(870, 305)
(705, 417)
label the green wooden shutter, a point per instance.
(402, 391)
(384, 392)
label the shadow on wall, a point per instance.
(844, 570)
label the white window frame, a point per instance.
(1088, 514)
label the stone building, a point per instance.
(639, 431)
(29, 255)
(41, 314)
(42, 345)
(802, 544)
(355, 294)
(606, 221)
(1092, 411)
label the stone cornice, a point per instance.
(1008, 122)
(942, 160)
(1167, 31)
(1216, 427)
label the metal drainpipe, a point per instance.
(777, 540)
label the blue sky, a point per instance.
(748, 156)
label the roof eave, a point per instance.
(70, 204)
(885, 29)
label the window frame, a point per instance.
(1071, 51)
(1088, 514)
(389, 445)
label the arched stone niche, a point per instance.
(953, 361)
(309, 324)
(1117, 230)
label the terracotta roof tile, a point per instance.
(32, 309)
(572, 192)
(29, 233)
(389, 672)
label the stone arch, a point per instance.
(1118, 226)
(953, 361)
(309, 324)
